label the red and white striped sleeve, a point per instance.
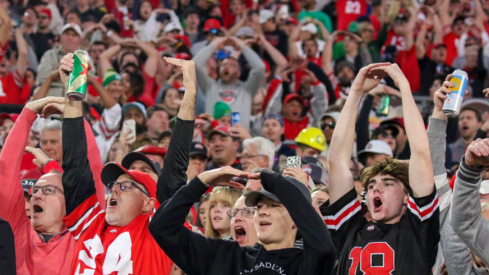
(424, 208)
(88, 213)
(338, 215)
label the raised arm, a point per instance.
(106, 98)
(466, 218)
(275, 54)
(420, 48)
(445, 18)
(151, 63)
(203, 79)
(77, 179)
(22, 52)
(104, 59)
(173, 175)
(420, 167)
(341, 179)
(293, 51)
(319, 250)
(4, 28)
(257, 72)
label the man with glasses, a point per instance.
(387, 133)
(284, 210)
(243, 223)
(258, 152)
(115, 240)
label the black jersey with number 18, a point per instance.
(367, 248)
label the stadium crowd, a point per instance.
(243, 137)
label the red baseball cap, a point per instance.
(212, 24)
(222, 130)
(183, 55)
(152, 150)
(291, 20)
(3, 116)
(185, 40)
(396, 120)
(112, 171)
(48, 12)
(292, 96)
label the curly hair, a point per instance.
(399, 170)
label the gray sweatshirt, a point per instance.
(466, 216)
(238, 96)
(49, 64)
(452, 249)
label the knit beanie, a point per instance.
(221, 109)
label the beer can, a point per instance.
(235, 118)
(384, 104)
(453, 102)
(77, 83)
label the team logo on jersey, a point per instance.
(227, 96)
(370, 228)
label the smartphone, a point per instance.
(235, 118)
(294, 161)
(130, 126)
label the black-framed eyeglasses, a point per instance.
(250, 156)
(125, 186)
(387, 134)
(46, 190)
(245, 211)
(331, 125)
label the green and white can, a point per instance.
(77, 84)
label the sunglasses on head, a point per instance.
(387, 134)
(331, 125)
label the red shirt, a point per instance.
(451, 40)
(348, 11)
(105, 249)
(150, 91)
(408, 62)
(292, 129)
(14, 89)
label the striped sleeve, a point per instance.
(87, 213)
(110, 121)
(337, 215)
(19, 81)
(424, 208)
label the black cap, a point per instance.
(310, 159)
(27, 184)
(384, 127)
(198, 148)
(254, 197)
(133, 156)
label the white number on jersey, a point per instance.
(2, 93)
(118, 256)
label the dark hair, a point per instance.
(71, 12)
(151, 110)
(136, 80)
(399, 170)
(440, 77)
(203, 199)
(477, 113)
(33, 9)
(98, 42)
(163, 135)
(113, 25)
(33, 72)
(126, 54)
(141, 4)
(310, 39)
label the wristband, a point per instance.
(47, 161)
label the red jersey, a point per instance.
(394, 39)
(408, 63)
(105, 249)
(451, 40)
(14, 89)
(348, 11)
(292, 129)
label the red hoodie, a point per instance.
(33, 255)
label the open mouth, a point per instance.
(112, 202)
(240, 233)
(264, 224)
(377, 203)
(36, 209)
(465, 128)
(217, 218)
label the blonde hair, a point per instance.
(220, 195)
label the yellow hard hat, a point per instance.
(312, 137)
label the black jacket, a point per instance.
(196, 254)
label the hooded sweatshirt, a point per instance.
(196, 254)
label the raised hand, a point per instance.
(223, 177)
(441, 94)
(53, 108)
(368, 78)
(298, 174)
(40, 157)
(394, 72)
(38, 105)
(66, 66)
(188, 70)
(477, 153)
